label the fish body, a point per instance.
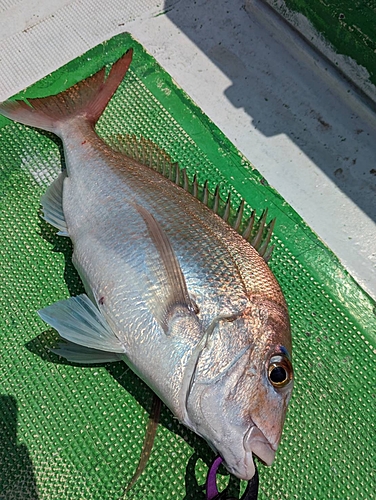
(171, 288)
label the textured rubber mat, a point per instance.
(75, 432)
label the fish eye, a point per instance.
(280, 371)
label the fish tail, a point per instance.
(86, 99)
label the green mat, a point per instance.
(75, 432)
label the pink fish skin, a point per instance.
(171, 288)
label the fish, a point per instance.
(172, 288)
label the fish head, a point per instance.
(242, 385)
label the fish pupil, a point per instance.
(278, 375)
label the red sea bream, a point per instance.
(171, 288)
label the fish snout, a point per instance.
(255, 442)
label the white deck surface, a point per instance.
(300, 125)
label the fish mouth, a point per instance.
(255, 442)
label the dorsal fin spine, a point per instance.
(185, 180)
(177, 175)
(226, 213)
(248, 230)
(195, 186)
(205, 193)
(216, 200)
(268, 253)
(239, 216)
(145, 151)
(265, 244)
(256, 241)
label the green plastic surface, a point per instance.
(349, 25)
(75, 432)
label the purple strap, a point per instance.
(211, 480)
(212, 492)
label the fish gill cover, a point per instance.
(81, 428)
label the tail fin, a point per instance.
(87, 99)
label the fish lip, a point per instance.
(255, 442)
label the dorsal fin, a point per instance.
(146, 152)
(255, 230)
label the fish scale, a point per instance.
(203, 251)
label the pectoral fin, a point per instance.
(79, 321)
(173, 289)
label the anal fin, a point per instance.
(79, 354)
(147, 446)
(52, 202)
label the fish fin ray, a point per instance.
(149, 154)
(256, 231)
(174, 288)
(79, 354)
(144, 151)
(79, 321)
(266, 241)
(256, 241)
(52, 203)
(147, 447)
(87, 98)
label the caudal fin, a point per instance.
(86, 99)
